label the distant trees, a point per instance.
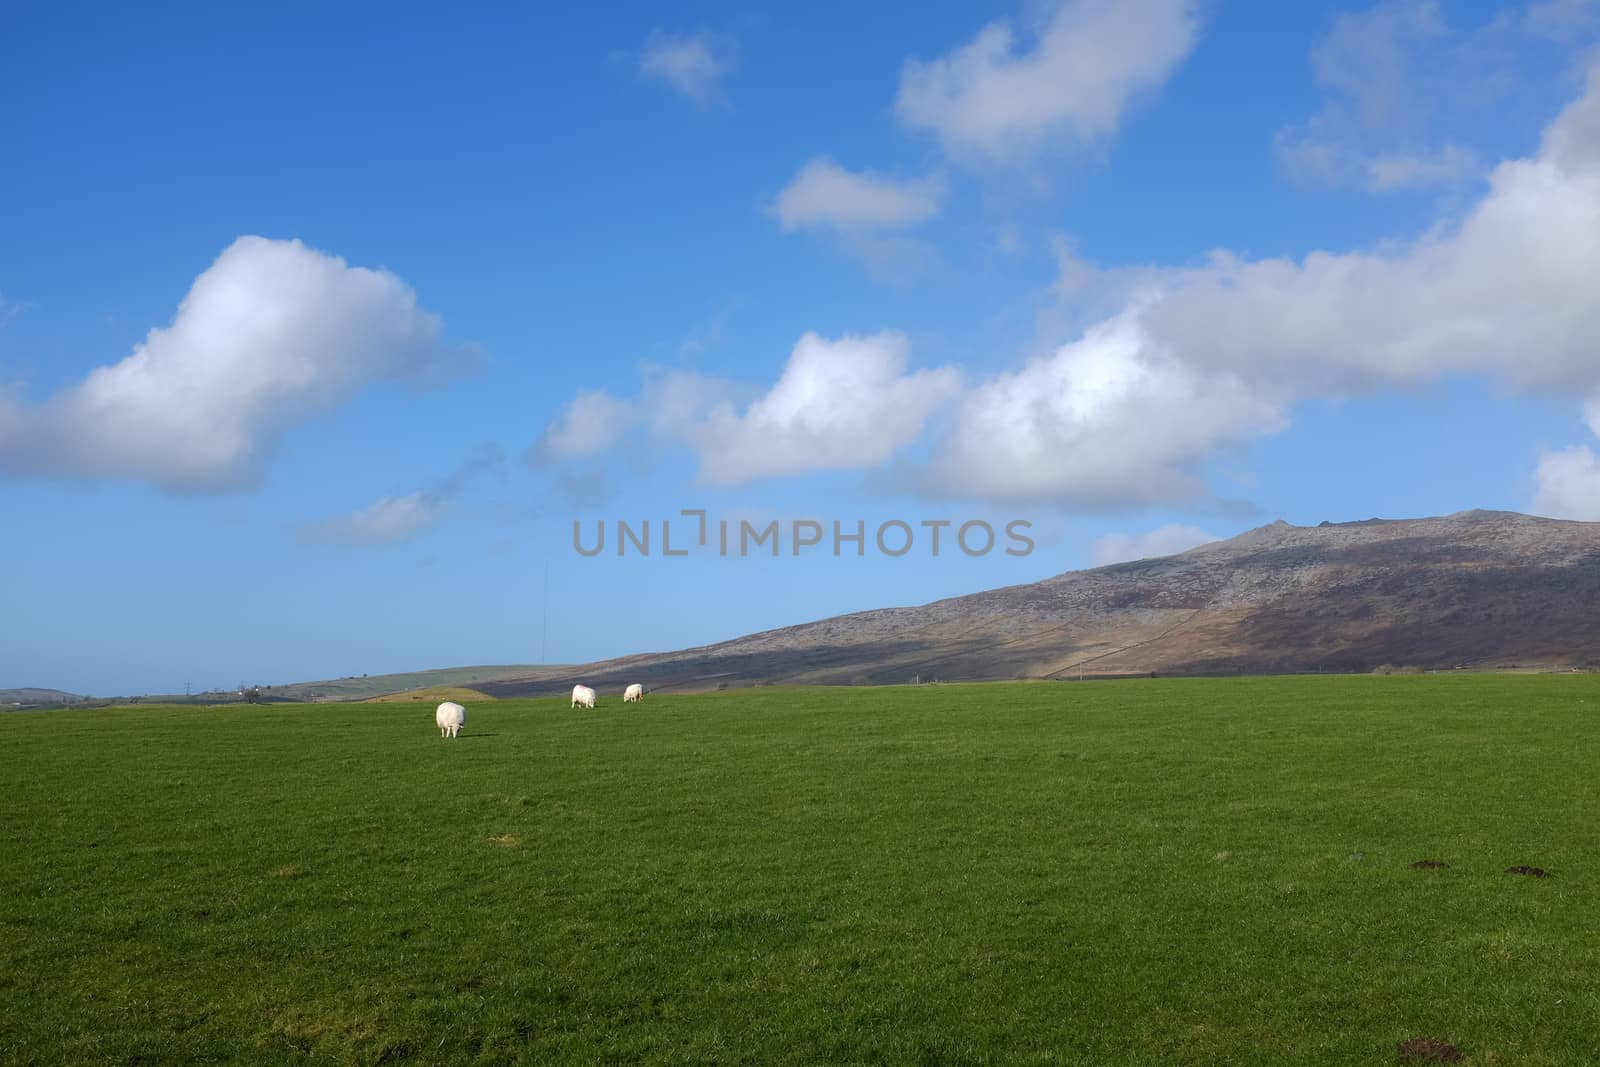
(250, 694)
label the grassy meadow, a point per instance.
(1128, 872)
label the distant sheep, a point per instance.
(582, 696)
(451, 717)
(633, 694)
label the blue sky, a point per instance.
(318, 330)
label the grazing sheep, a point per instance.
(583, 696)
(451, 717)
(633, 694)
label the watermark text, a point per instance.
(693, 531)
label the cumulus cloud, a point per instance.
(270, 334)
(1164, 541)
(1567, 484)
(839, 405)
(590, 424)
(1567, 481)
(691, 64)
(1508, 290)
(996, 98)
(825, 194)
(1207, 357)
(393, 519)
(1109, 420)
(1193, 361)
(567, 451)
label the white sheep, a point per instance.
(582, 696)
(451, 717)
(633, 694)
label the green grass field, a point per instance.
(1134, 872)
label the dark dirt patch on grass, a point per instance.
(1535, 872)
(1429, 865)
(1428, 1050)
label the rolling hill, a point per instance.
(1478, 589)
(378, 685)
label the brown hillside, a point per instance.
(1478, 589)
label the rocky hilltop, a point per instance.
(1478, 589)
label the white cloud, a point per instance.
(1508, 290)
(1193, 361)
(392, 519)
(270, 334)
(825, 194)
(692, 64)
(386, 521)
(590, 424)
(1205, 358)
(1567, 484)
(1164, 541)
(1109, 420)
(1567, 481)
(839, 405)
(565, 452)
(993, 99)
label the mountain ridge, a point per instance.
(1476, 588)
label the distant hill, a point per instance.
(31, 697)
(1478, 589)
(367, 687)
